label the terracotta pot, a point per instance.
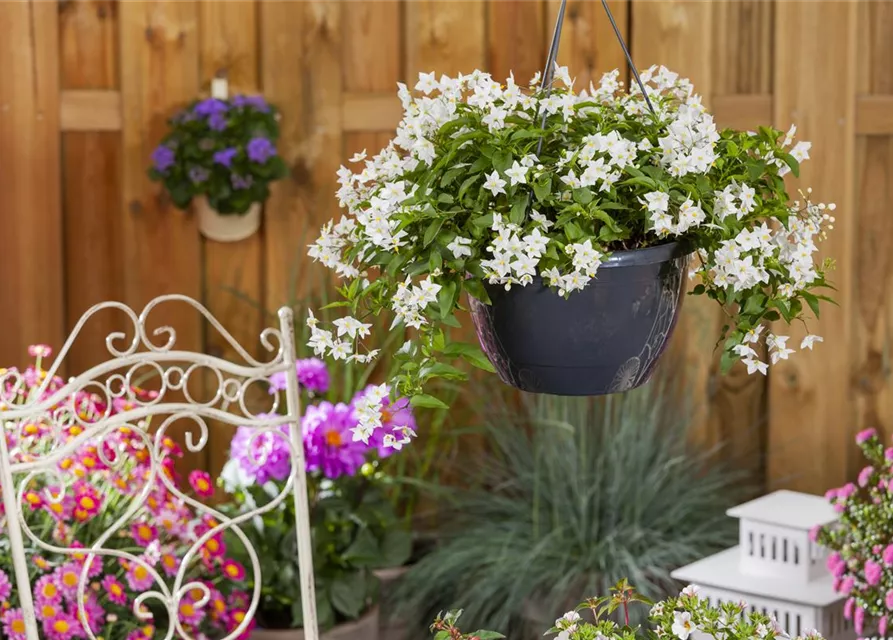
(226, 228)
(390, 626)
(366, 628)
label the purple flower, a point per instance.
(265, 458)
(198, 174)
(260, 150)
(396, 418)
(865, 475)
(865, 435)
(226, 156)
(240, 182)
(217, 121)
(252, 101)
(163, 157)
(328, 441)
(312, 375)
(873, 572)
(5, 586)
(209, 107)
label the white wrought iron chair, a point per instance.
(112, 380)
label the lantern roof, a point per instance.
(790, 509)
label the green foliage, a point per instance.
(222, 149)
(572, 494)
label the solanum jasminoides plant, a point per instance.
(861, 541)
(492, 185)
(673, 618)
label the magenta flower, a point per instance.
(312, 375)
(882, 626)
(846, 585)
(61, 627)
(859, 620)
(5, 586)
(888, 601)
(848, 608)
(46, 590)
(13, 624)
(39, 351)
(328, 442)
(865, 435)
(865, 475)
(138, 577)
(888, 555)
(873, 572)
(264, 456)
(200, 481)
(114, 590)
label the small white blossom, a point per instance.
(809, 341)
(682, 625)
(495, 184)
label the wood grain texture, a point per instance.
(516, 39)
(444, 36)
(159, 75)
(811, 410)
(873, 269)
(742, 47)
(678, 35)
(30, 183)
(92, 212)
(589, 46)
(233, 271)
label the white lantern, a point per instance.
(776, 568)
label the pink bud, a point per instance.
(865, 475)
(846, 585)
(859, 619)
(889, 599)
(830, 494)
(839, 508)
(888, 453)
(873, 573)
(814, 532)
(867, 434)
(848, 608)
(888, 555)
(882, 625)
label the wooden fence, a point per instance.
(86, 86)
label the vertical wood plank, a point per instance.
(232, 270)
(516, 39)
(743, 47)
(372, 47)
(678, 35)
(446, 36)
(306, 36)
(159, 74)
(31, 296)
(589, 46)
(873, 273)
(811, 411)
(91, 188)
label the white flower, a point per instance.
(800, 152)
(745, 351)
(657, 202)
(427, 83)
(517, 173)
(754, 365)
(810, 340)
(358, 157)
(568, 622)
(682, 624)
(535, 243)
(541, 220)
(691, 590)
(459, 247)
(657, 610)
(753, 335)
(495, 184)
(341, 350)
(352, 327)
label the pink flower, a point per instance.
(889, 599)
(40, 351)
(848, 608)
(200, 481)
(189, 613)
(46, 590)
(5, 586)
(846, 585)
(170, 563)
(13, 624)
(888, 555)
(846, 490)
(67, 578)
(865, 435)
(865, 475)
(888, 453)
(873, 572)
(61, 627)
(814, 532)
(114, 590)
(233, 570)
(836, 565)
(882, 625)
(859, 620)
(143, 533)
(830, 494)
(138, 577)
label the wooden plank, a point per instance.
(516, 39)
(159, 74)
(745, 112)
(873, 276)
(90, 111)
(743, 47)
(371, 111)
(811, 411)
(678, 35)
(30, 197)
(308, 36)
(229, 49)
(446, 36)
(589, 47)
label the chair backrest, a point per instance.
(120, 410)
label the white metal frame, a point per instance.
(112, 379)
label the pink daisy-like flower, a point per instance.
(48, 610)
(5, 586)
(46, 590)
(143, 533)
(873, 573)
(170, 563)
(233, 570)
(200, 481)
(67, 578)
(40, 351)
(138, 577)
(13, 624)
(865, 435)
(214, 547)
(189, 613)
(61, 627)
(94, 612)
(114, 590)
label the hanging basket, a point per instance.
(231, 227)
(604, 339)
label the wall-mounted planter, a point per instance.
(604, 339)
(230, 227)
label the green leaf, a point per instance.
(445, 198)
(476, 289)
(484, 221)
(466, 184)
(784, 308)
(471, 353)
(519, 209)
(755, 304)
(487, 635)
(732, 148)
(364, 549)
(502, 160)
(542, 188)
(348, 592)
(432, 231)
(451, 175)
(435, 260)
(396, 548)
(573, 231)
(428, 402)
(582, 196)
(792, 163)
(447, 298)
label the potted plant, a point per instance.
(565, 496)
(676, 618)
(355, 529)
(88, 494)
(566, 223)
(861, 541)
(220, 155)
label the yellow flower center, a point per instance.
(61, 626)
(333, 439)
(140, 572)
(18, 626)
(88, 503)
(70, 579)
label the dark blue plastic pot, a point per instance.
(604, 339)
